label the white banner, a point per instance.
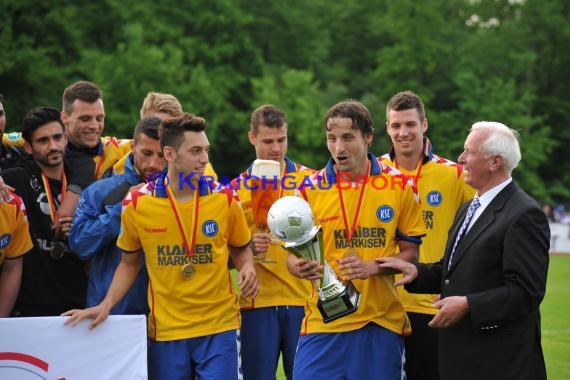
(44, 348)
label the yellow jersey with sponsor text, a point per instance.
(442, 190)
(14, 230)
(389, 212)
(278, 286)
(207, 303)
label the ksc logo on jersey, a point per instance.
(5, 240)
(385, 213)
(434, 198)
(210, 228)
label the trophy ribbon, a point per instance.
(57, 249)
(188, 269)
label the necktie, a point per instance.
(470, 212)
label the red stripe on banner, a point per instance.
(24, 358)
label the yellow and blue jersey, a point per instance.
(207, 303)
(278, 287)
(14, 230)
(442, 190)
(390, 211)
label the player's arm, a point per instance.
(124, 276)
(10, 279)
(94, 226)
(247, 277)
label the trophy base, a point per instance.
(343, 304)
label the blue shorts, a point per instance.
(207, 357)
(371, 352)
(266, 332)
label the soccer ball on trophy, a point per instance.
(290, 219)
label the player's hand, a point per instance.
(353, 267)
(260, 242)
(409, 270)
(451, 310)
(63, 212)
(247, 281)
(306, 269)
(65, 224)
(5, 191)
(98, 313)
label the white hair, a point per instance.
(502, 141)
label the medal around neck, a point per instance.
(188, 271)
(57, 250)
(291, 219)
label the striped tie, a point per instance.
(470, 212)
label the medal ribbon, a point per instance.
(51, 201)
(360, 198)
(99, 163)
(189, 248)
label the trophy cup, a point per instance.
(291, 220)
(264, 192)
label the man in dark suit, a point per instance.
(492, 278)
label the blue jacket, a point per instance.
(94, 233)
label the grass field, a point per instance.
(555, 311)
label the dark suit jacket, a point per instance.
(501, 266)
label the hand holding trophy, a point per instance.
(264, 192)
(291, 220)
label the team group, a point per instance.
(90, 225)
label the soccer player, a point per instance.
(185, 228)
(53, 279)
(442, 190)
(270, 321)
(15, 241)
(97, 220)
(165, 107)
(366, 210)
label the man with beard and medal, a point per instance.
(53, 279)
(270, 321)
(187, 229)
(442, 190)
(366, 210)
(97, 220)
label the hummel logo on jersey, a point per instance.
(155, 230)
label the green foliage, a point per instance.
(502, 60)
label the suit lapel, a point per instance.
(485, 220)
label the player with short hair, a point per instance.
(366, 210)
(442, 190)
(187, 230)
(97, 220)
(270, 321)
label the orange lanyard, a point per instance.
(99, 163)
(358, 205)
(189, 248)
(51, 201)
